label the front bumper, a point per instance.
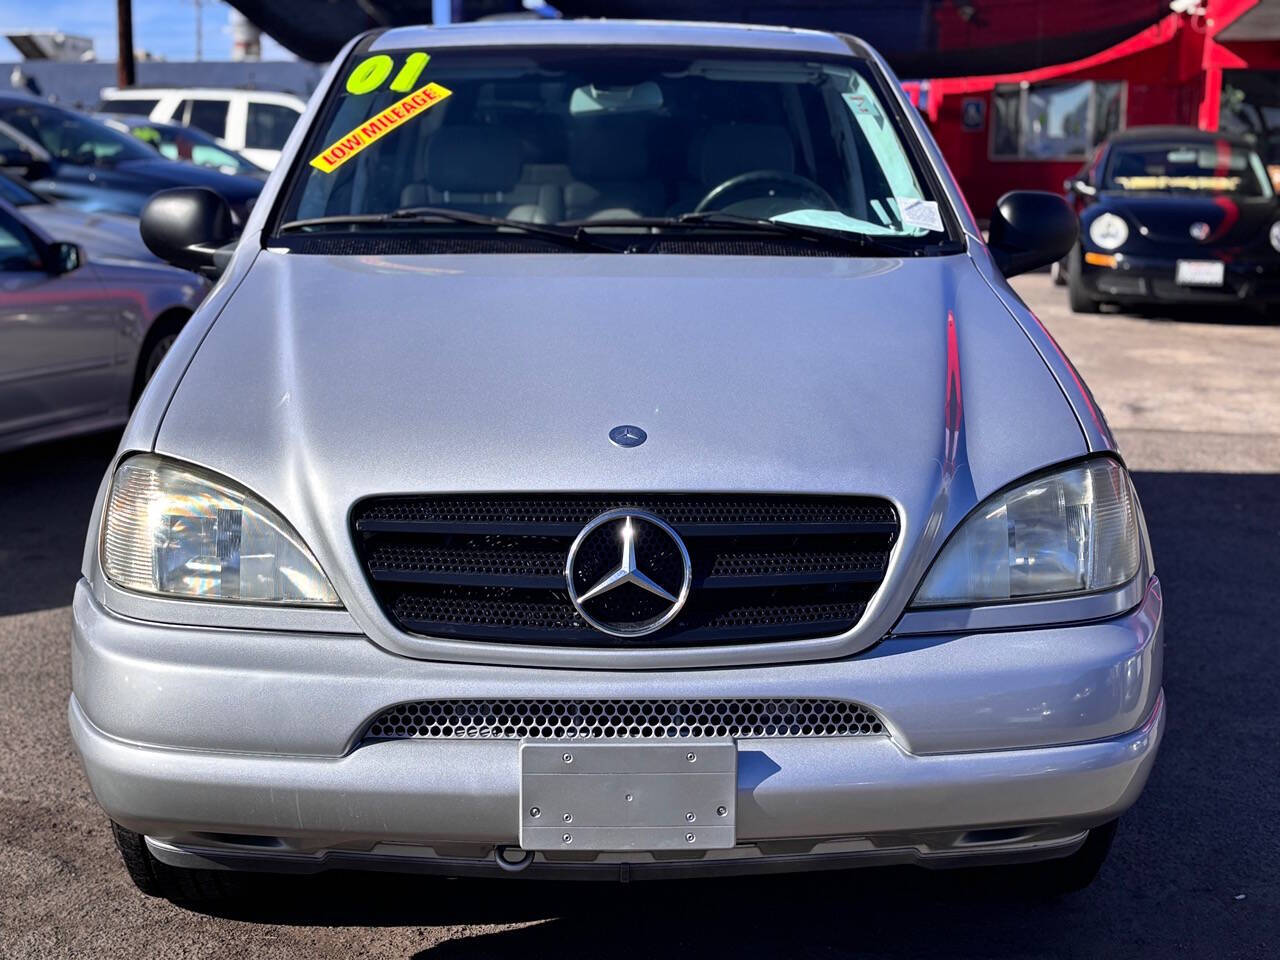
(1146, 279)
(239, 747)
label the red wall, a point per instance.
(1164, 85)
(1173, 75)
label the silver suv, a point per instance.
(613, 450)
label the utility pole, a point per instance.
(199, 30)
(124, 43)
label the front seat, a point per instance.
(477, 169)
(728, 149)
(610, 165)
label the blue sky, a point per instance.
(163, 27)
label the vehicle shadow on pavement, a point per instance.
(866, 912)
(46, 495)
(1212, 315)
(1188, 866)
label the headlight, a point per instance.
(177, 530)
(1071, 531)
(1109, 231)
(1275, 236)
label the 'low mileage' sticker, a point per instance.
(378, 126)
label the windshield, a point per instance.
(1219, 167)
(205, 155)
(73, 138)
(192, 146)
(18, 194)
(590, 136)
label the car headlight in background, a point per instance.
(1068, 532)
(1109, 231)
(177, 530)
(1275, 236)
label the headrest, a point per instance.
(730, 149)
(473, 159)
(608, 149)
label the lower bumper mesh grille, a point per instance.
(623, 719)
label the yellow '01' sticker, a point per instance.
(378, 126)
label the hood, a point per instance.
(1168, 217)
(170, 173)
(327, 379)
(102, 235)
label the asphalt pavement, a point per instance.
(1195, 402)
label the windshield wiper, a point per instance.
(408, 215)
(863, 242)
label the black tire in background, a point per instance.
(1078, 297)
(1056, 878)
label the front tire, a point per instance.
(179, 885)
(1078, 297)
(1066, 875)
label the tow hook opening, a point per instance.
(512, 859)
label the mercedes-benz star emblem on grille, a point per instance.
(628, 573)
(1199, 230)
(628, 435)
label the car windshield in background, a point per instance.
(72, 138)
(1187, 167)
(180, 146)
(607, 140)
(17, 193)
(187, 144)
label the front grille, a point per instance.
(491, 567)
(622, 719)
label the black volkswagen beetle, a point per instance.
(1175, 215)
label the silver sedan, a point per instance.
(82, 327)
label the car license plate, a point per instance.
(1199, 273)
(679, 795)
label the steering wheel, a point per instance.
(763, 183)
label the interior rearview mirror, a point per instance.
(187, 226)
(1030, 229)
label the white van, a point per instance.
(255, 123)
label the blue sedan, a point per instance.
(85, 163)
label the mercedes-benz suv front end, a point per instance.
(613, 450)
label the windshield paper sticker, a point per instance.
(919, 213)
(858, 103)
(378, 126)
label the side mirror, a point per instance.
(21, 163)
(186, 226)
(1080, 186)
(62, 258)
(1030, 229)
